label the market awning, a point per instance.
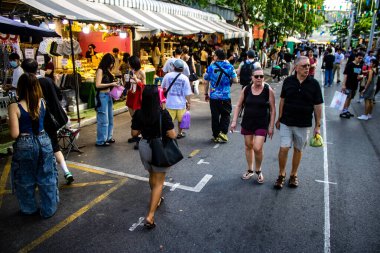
(180, 20)
(9, 26)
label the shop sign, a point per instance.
(64, 62)
(29, 53)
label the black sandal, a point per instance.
(148, 225)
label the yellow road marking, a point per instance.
(88, 184)
(70, 219)
(194, 153)
(79, 167)
(4, 178)
(85, 169)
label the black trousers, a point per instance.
(220, 116)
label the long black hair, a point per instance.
(107, 62)
(134, 62)
(150, 105)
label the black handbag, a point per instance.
(193, 77)
(165, 151)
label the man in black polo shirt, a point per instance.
(301, 96)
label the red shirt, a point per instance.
(312, 69)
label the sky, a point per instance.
(335, 4)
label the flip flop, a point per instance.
(181, 135)
(149, 225)
(160, 202)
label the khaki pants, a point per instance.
(336, 69)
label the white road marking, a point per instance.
(145, 179)
(325, 182)
(202, 183)
(326, 192)
(202, 161)
(217, 146)
(135, 225)
(174, 187)
(329, 143)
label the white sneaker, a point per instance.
(363, 117)
(369, 116)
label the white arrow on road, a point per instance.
(202, 161)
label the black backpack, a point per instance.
(246, 73)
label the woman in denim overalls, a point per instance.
(33, 162)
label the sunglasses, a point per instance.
(258, 76)
(305, 66)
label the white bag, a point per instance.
(196, 87)
(338, 100)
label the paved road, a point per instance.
(208, 208)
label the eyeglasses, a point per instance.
(305, 66)
(258, 76)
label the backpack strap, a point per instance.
(171, 84)
(220, 78)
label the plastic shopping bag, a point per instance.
(338, 100)
(116, 92)
(196, 87)
(316, 141)
(185, 123)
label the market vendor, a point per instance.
(14, 61)
(49, 67)
(91, 52)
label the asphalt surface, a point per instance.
(207, 207)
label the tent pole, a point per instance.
(74, 72)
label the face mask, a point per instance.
(13, 64)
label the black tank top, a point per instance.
(256, 110)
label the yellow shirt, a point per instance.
(204, 55)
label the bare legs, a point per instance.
(254, 147)
(156, 183)
(283, 157)
(368, 106)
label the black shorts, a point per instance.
(54, 140)
(350, 92)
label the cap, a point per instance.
(178, 64)
(251, 53)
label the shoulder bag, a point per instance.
(224, 72)
(165, 151)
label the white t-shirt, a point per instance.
(17, 72)
(168, 67)
(176, 98)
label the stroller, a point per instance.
(279, 71)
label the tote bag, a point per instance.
(165, 151)
(338, 100)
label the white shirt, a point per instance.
(339, 58)
(17, 72)
(176, 98)
(255, 65)
(168, 67)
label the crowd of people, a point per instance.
(154, 109)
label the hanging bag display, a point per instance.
(165, 151)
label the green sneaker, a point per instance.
(69, 178)
(223, 137)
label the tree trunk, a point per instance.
(244, 16)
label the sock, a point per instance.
(345, 110)
(64, 168)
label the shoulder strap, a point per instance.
(220, 78)
(266, 87)
(171, 84)
(246, 92)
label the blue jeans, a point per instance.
(104, 118)
(33, 164)
(329, 77)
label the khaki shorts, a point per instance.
(297, 136)
(177, 114)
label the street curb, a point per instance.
(91, 121)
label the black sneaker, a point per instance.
(351, 115)
(345, 115)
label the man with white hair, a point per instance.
(301, 96)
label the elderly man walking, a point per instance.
(301, 96)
